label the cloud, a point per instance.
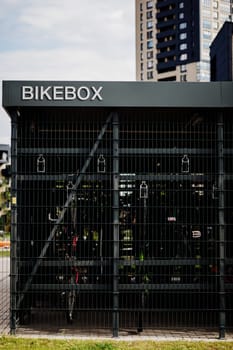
(69, 64)
(65, 40)
(86, 22)
(85, 28)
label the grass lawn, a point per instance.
(14, 343)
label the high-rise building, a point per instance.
(173, 38)
(221, 60)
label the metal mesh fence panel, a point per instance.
(123, 220)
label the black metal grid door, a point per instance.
(120, 219)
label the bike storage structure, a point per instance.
(122, 209)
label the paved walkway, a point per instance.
(4, 295)
(42, 327)
(167, 335)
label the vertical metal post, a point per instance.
(143, 270)
(13, 253)
(222, 316)
(144, 195)
(115, 125)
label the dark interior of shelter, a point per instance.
(124, 218)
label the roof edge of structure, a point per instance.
(20, 93)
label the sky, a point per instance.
(65, 40)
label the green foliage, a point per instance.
(4, 253)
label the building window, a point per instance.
(204, 76)
(183, 46)
(206, 3)
(206, 24)
(215, 4)
(223, 16)
(150, 75)
(149, 24)
(183, 77)
(150, 64)
(181, 5)
(215, 15)
(204, 66)
(183, 25)
(150, 44)
(183, 68)
(215, 25)
(141, 46)
(141, 6)
(149, 4)
(150, 34)
(183, 36)
(181, 15)
(206, 54)
(149, 14)
(206, 44)
(141, 36)
(206, 34)
(183, 57)
(206, 13)
(150, 54)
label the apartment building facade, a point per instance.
(173, 38)
(221, 62)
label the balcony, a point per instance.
(167, 52)
(166, 43)
(169, 23)
(166, 13)
(165, 4)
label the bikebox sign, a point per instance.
(61, 93)
(38, 93)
